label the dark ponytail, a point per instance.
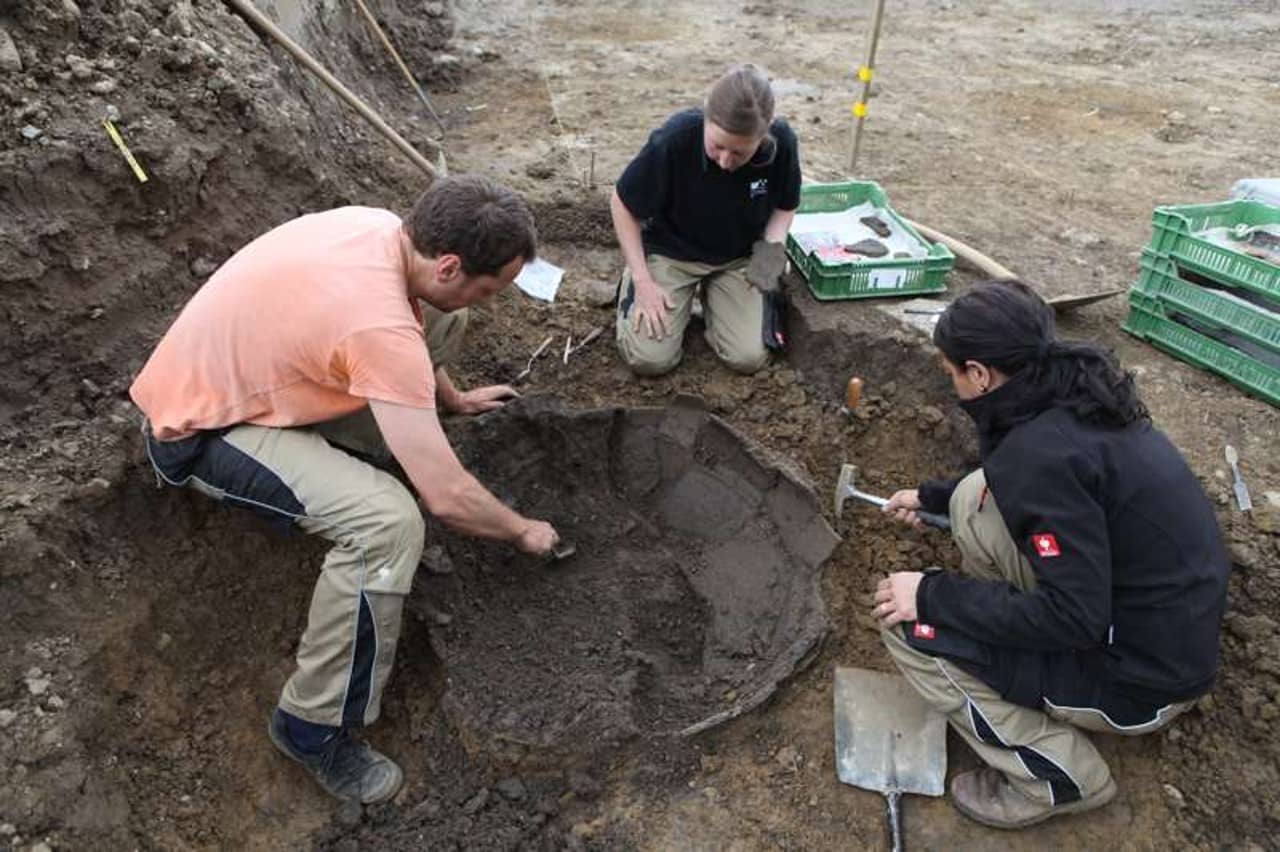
(1006, 326)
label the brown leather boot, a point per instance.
(987, 796)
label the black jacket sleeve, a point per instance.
(1046, 492)
(935, 495)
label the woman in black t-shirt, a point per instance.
(707, 203)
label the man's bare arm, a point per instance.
(449, 492)
(474, 401)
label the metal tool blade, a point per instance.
(887, 737)
(1243, 500)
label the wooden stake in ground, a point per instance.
(865, 72)
(404, 69)
(262, 22)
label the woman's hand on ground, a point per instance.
(895, 599)
(903, 505)
(651, 308)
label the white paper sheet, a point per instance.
(845, 228)
(540, 279)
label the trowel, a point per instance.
(888, 740)
(1243, 500)
(561, 551)
(846, 489)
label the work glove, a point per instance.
(774, 331)
(768, 262)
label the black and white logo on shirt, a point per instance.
(759, 188)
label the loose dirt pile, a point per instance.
(231, 134)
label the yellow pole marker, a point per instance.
(124, 149)
(865, 73)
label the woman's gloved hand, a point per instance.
(768, 262)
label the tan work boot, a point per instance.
(987, 796)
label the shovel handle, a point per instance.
(894, 800)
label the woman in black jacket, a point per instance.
(1093, 577)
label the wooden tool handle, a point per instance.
(853, 393)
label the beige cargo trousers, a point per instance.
(1045, 753)
(733, 314)
(310, 477)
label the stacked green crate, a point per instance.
(1209, 291)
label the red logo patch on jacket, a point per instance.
(923, 631)
(1046, 544)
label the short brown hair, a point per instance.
(741, 102)
(481, 221)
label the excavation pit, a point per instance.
(693, 593)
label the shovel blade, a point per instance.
(887, 737)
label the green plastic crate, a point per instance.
(1160, 281)
(1186, 344)
(866, 279)
(1176, 230)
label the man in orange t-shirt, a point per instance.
(306, 353)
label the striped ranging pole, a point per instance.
(865, 73)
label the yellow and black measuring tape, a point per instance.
(124, 149)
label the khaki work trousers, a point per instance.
(733, 311)
(307, 476)
(1041, 753)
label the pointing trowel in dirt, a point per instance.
(888, 740)
(1243, 500)
(846, 489)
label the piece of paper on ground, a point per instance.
(540, 279)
